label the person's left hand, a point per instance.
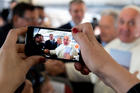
(13, 63)
(67, 56)
(55, 67)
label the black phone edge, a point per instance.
(29, 37)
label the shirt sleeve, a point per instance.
(135, 89)
(52, 52)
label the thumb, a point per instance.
(78, 66)
(32, 60)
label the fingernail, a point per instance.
(42, 60)
(78, 66)
(75, 30)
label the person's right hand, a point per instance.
(46, 51)
(84, 35)
(14, 65)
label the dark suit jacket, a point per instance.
(49, 45)
(4, 32)
(35, 49)
(5, 14)
(99, 39)
(66, 26)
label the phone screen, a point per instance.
(51, 43)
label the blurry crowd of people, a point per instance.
(118, 31)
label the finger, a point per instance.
(32, 60)
(27, 82)
(87, 68)
(22, 55)
(75, 30)
(20, 48)
(28, 87)
(85, 71)
(78, 66)
(13, 36)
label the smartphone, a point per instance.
(52, 43)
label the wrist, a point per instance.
(97, 58)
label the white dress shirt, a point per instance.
(133, 47)
(62, 49)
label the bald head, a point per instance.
(59, 41)
(108, 25)
(127, 24)
(66, 40)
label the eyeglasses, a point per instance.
(28, 19)
(40, 19)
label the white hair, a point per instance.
(113, 13)
(133, 7)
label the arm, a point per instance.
(52, 52)
(100, 62)
(56, 51)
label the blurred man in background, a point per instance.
(50, 44)
(41, 14)
(127, 39)
(43, 18)
(59, 41)
(108, 26)
(77, 10)
(7, 13)
(23, 15)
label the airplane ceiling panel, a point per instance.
(89, 2)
